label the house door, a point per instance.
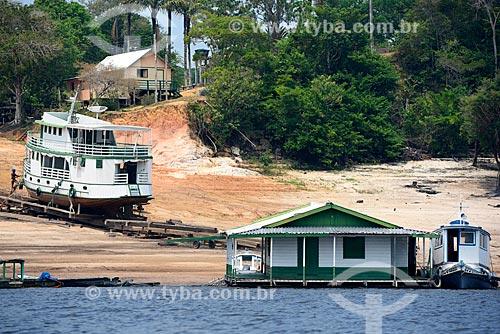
(452, 241)
(312, 257)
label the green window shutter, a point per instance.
(98, 163)
(354, 248)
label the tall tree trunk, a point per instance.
(115, 32)
(169, 52)
(498, 171)
(19, 92)
(154, 13)
(186, 56)
(476, 152)
(169, 38)
(127, 38)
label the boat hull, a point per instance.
(106, 205)
(463, 280)
(30, 283)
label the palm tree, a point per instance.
(187, 8)
(154, 7)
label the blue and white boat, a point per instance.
(461, 256)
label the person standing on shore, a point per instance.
(13, 180)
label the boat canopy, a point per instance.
(60, 119)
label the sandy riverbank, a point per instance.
(217, 192)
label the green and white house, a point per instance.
(318, 244)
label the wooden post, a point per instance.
(431, 263)
(423, 252)
(233, 258)
(262, 256)
(271, 262)
(304, 283)
(395, 278)
(334, 256)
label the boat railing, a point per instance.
(142, 178)
(121, 179)
(55, 173)
(27, 165)
(118, 150)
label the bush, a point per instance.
(146, 100)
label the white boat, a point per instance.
(461, 256)
(247, 263)
(89, 165)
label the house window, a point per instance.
(354, 248)
(466, 238)
(98, 163)
(142, 73)
(483, 241)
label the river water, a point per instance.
(229, 310)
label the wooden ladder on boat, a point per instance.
(134, 190)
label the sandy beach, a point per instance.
(191, 186)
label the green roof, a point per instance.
(302, 216)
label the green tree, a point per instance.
(482, 119)
(27, 38)
(434, 121)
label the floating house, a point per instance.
(325, 244)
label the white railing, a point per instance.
(142, 178)
(27, 165)
(55, 173)
(121, 178)
(119, 150)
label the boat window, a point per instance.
(246, 258)
(47, 161)
(466, 238)
(60, 131)
(59, 163)
(98, 163)
(37, 156)
(354, 248)
(483, 241)
(439, 241)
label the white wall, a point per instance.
(229, 251)
(377, 252)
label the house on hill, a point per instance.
(129, 75)
(320, 244)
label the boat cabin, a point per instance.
(461, 242)
(247, 262)
(16, 267)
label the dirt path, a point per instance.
(197, 189)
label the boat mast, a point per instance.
(71, 116)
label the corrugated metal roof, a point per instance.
(122, 60)
(276, 218)
(330, 230)
(297, 213)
